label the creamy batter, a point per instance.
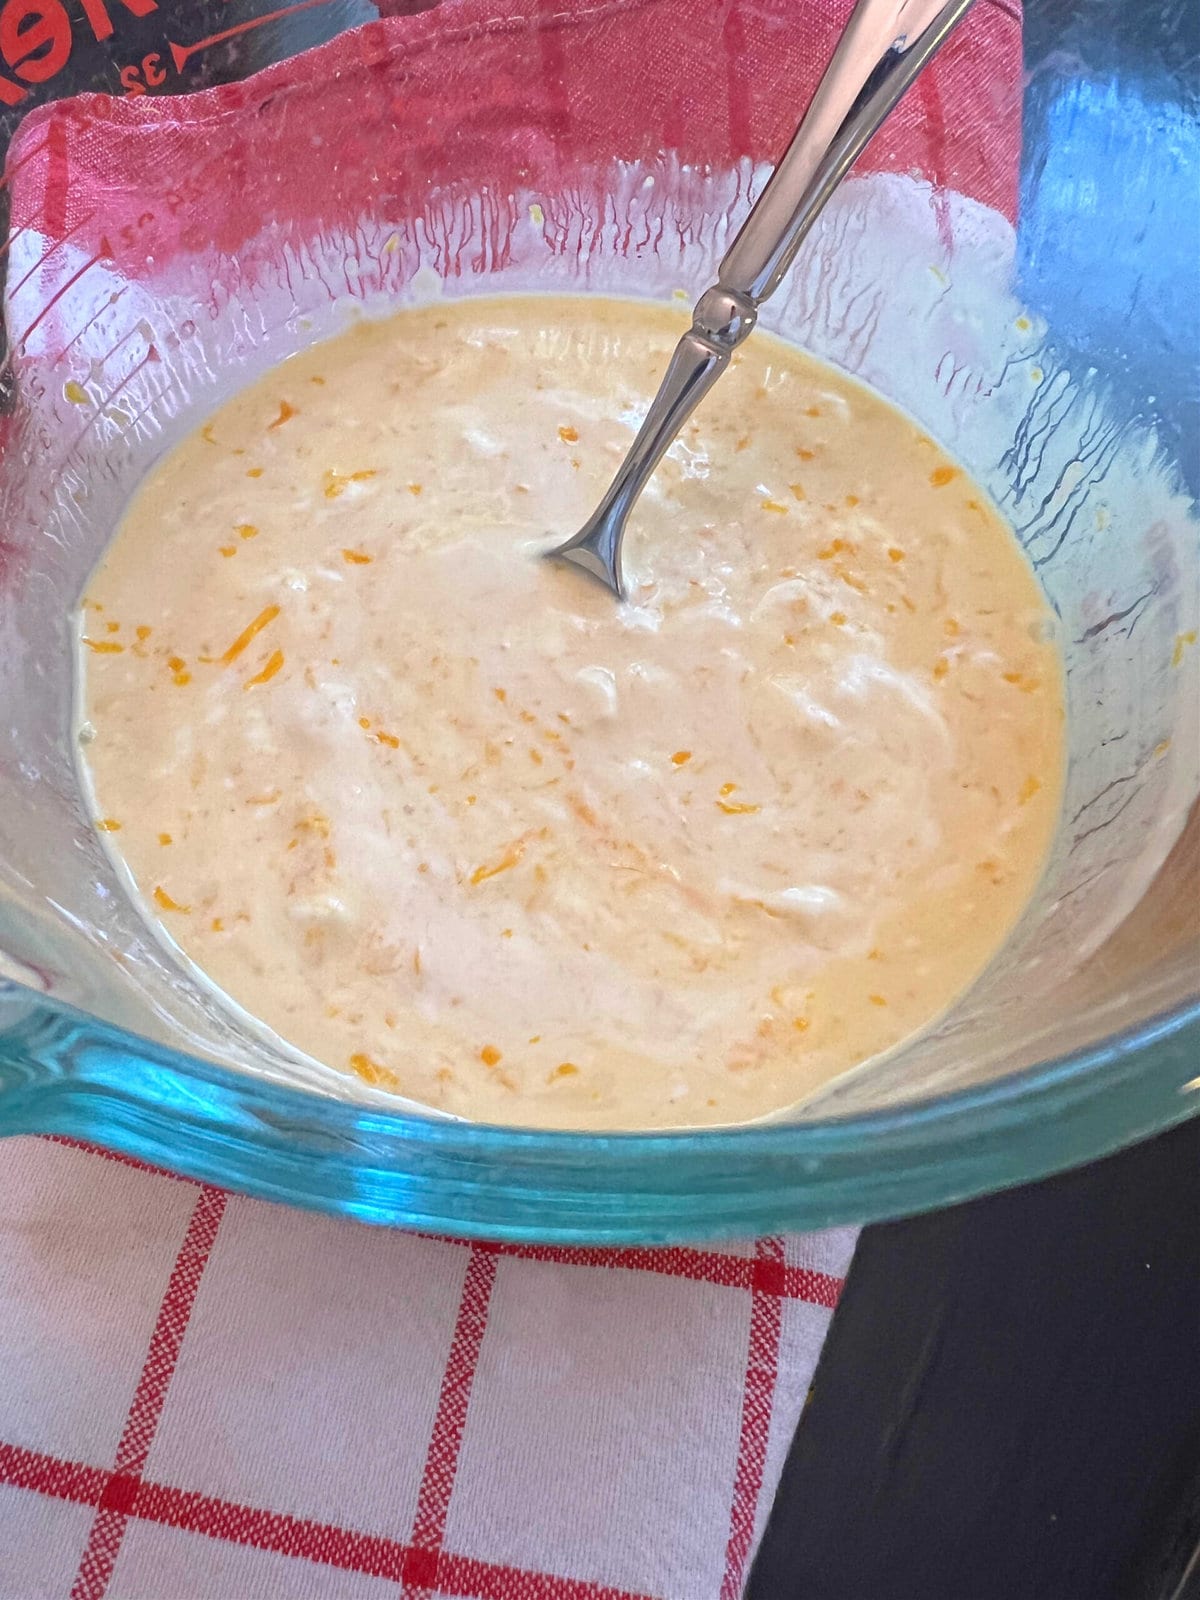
(447, 817)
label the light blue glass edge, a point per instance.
(64, 1073)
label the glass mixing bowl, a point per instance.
(160, 258)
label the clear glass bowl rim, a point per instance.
(64, 1073)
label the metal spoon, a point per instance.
(885, 45)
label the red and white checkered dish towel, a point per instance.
(204, 1397)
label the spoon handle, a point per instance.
(885, 45)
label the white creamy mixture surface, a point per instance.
(446, 816)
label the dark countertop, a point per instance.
(1008, 1404)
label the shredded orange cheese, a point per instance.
(335, 482)
(564, 1069)
(492, 869)
(273, 663)
(164, 901)
(286, 413)
(941, 476)
(104, 647)
(583, 811)
(568, 435)
(371, 1072)
(266, 616)
(681, 758)
(109, 825)
(490, 1056)
(1026, 684)
(357, 558)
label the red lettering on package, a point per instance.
(36, 39)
